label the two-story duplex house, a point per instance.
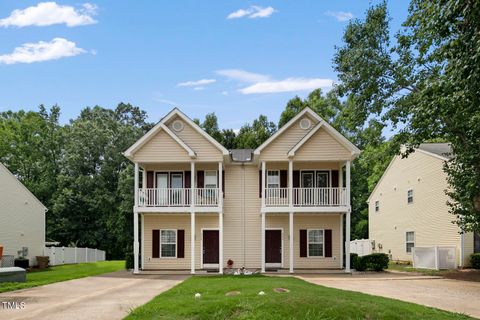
(280, 206)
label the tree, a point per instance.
(426, 83)
(252, 136)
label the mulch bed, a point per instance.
(465, 275)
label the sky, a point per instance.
(238, 59)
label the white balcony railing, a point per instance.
(306, 197)
(276, 197)
(177, 197)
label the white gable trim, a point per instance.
(286, 126)
(23, 186)
(336, 135)
(195, 126)
(300, 143)
(191, 153)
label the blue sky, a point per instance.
(235, 58)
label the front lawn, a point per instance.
(303, 301)
(62, 273)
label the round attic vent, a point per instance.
(305, 124)
(177, 125)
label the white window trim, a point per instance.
(266, 180)
(408, 196)
(377, 206)
(176, 243)
(414, 236)
(323, 243)
(205, 178)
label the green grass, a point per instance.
(408, 268)
(304, 301)
(63, 273)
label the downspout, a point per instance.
(462, 249)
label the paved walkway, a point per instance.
(108, 296)
(446, 294)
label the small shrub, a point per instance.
(353, 260)
(376, 261)
(475, 260)
(129, 260)
(360, 264)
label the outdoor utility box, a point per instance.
(22, 263)
(13, 274)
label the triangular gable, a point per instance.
(161, 126)
(307, 111)
(22, 186)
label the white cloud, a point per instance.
(225, 93)
(340, 15)
(198, 88)
(252, 12)
(242, 75)
(50, 13)
(42, 51)
(198, 83)
(287, 85)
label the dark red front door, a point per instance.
(210, 246)
(273, 246)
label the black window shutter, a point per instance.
(334, 178)
(328, 243)
(188, 179)
(303, 243)
(296, 179)
(200, 179)
(149, 179)
(180, 243)
(283, 178)
(155, 243)
(260, 183)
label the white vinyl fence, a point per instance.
(361, 247)
(67, 255)
(434, 257)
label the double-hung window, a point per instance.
(273, 179)
(168, 243)
(410, 196)
(315, 243)
(409, 241)
(377, 206)
(211, 179)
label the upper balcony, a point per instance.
(178, 197)
(306, 197)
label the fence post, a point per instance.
(413, 256)
(54, 256)
(96, 258)
(86, 254)
(436, 258)
(75, 252)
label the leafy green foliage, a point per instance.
(475, 260)
(425, 85)
(374, 261)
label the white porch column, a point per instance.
(290, 184)
(144, 178)
(192, 218)
(263, 183)
(142, 256)
(263, 242)
(135, 223)
(220, 217)
(290, 238)
(347, 222)
(341, 240)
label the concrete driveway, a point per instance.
(108, 296)
(446, 294)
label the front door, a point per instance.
(176, 183)
(307, 195)
(273, 248)
(210, 248)
(162, 189)
(322, 195)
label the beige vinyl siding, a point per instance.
(161, 148)
(278, 149)
(322, 146)
(317, 221)
(203, 148)
(242, 223)
(311, 165)
(427, 216)
(179, 222)
(179, 166)
(468, 247)
(22, 218)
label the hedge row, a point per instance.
(374, 261)
(475, 260)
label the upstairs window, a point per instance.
(410, 196)
(273, 179)
(210, 179)
(409, 241)
(377, 206)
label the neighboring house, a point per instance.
(280, 206)
(408, 207)
(22, 218)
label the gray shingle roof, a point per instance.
(241, 155)
(441, 149)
